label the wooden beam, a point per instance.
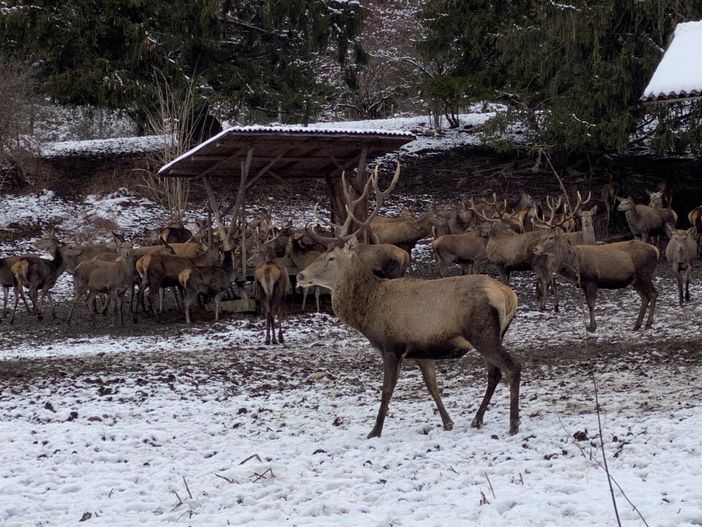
(264, 170)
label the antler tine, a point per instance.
(312, 233)
(471, 207)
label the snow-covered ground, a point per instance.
(202, 425)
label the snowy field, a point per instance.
(203, 425)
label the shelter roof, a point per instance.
(284, 151)
(679, 73)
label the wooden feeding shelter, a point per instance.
(284, 153)
(678, 76)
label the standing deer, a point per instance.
(209, 280)
(610, 266)
(7, 281)
(586, 235)
(425, 320)
(37, 274)
(111, 278)
(271, 285)
(646, 222)
(680, 252)
(467, 249)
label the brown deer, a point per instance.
(405, 318)
(36, 274)
(211, 280)
(425, 320)
(609, 266)
(405, 234)
(586, 234)
(270, 287)
(646, 222)
(467, 249)
(7, 281)
(105, 277)
(681, 252)
(163, 270)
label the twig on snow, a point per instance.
(490, 483)
(252, 456)
(228, 480)
(187, 488)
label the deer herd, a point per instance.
(362, 263)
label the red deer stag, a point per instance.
(425, 320)
(610, 266)
(681, 252)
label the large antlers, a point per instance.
(344, 232)
(558, 220)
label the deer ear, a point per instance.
(351, 244)
(594, 210)
(618, 198)
(649, 192)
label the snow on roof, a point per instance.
(101, 147)
(679, 74)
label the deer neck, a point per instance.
(354, 294)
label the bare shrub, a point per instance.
(17, 99)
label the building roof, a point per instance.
(679, 73)
(284, 151)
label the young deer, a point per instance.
(681, 252)
(209, 280)
(271, 285)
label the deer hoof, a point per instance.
(514, 428)
(448, 425)
(373, 433)
(476, 423)
(592, 329)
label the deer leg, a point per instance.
(14, 309)
(186, 306)
(217, 300)
(304, 298)
(392, 364)
(268, 327)
(318, 292)
(429, 375)
(591, 299)
(51, 303)
(280, 326)
(687, 283)
(646, 298)
(5, 298)
(494, 376)
(37, 302)
(653, 295)
(91, 306)
(554, 292)
(679, 280)
(77, 293)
